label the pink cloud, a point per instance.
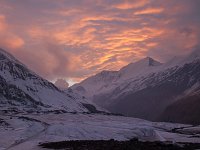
(76, 39)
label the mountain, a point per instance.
(146, 88)
(99, 82)
(147, 97)
(184, 110)
(106, 81)
(140, 67)
(23, 90)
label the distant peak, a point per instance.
(148, 57)
(149, 61)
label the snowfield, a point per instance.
(25, 132)
(38, 105)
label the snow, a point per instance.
(132, 77)
(106, 81)
(83, 100)
(140, 67)
(100, 82)
(29, 130)
(39, 89)
(46, 95)
(25, 131)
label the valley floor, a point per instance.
(26, 132)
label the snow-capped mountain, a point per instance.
(23, 90)
(144, 89)
(100, 82)
(140, 67)
(106, 81)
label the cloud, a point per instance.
(11, 41)
(2, 23)
(52, 61)
(149, 11)
(131, 4)
(76, 39)
(61, 84)
(8, 39)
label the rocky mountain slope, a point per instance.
(144, 89)
(184, 110)
(106, 81)
(23, 90)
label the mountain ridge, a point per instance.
(146, 94)
(24, 90)
(144, 65)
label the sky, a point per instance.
(74, 39)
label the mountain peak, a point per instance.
(148, 61)
(142, 66)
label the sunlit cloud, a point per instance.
(149, 11)
(12, 41)
(2, 23)
(7, 38)
(76, 39)
(131, 4)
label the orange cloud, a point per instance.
(151, 44)
(76, 39)
(131, 4)
(102, 50)
(77, 33)
(2, 23)
(72, 38)
(149, 11)
(67, 12)
(100, 54)
(36, 32)
(13, 42)
(7, 38)
(96, 18)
